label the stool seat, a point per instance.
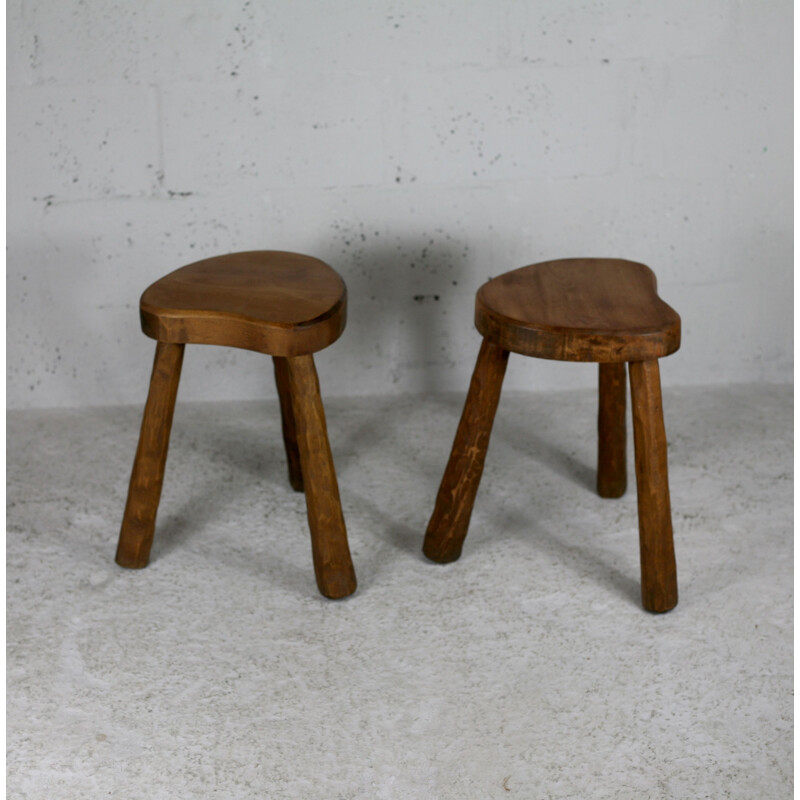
(284, 304)
(579, 309)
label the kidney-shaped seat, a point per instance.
(284, 304)
(581, 309)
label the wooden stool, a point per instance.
(593, 309)
(283, 304)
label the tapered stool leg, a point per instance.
(448, 525)
(144, 493)
(659, 574)
(332, 563)
(611, 456)
(287, 421)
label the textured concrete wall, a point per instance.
(417, 147)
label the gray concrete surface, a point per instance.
(527, 669)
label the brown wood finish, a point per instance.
(287, 423)
(283, 304)
(450, 520)
(657, 552)
(600, 310)
(147, 477)
(584, 309)
(611, 452)
(333, 566)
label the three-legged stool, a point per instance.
(283, 304)
(601, 310)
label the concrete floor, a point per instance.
(527, 669)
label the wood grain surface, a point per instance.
(284, 304)
(581, 309)
(612, 477)
(449, 523)
(333, 566)
(147, 477)
(659, 573)
(287, 423)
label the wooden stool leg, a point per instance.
(287, 420)
(332, 563)
(139, 520)
(611, 467)
(657, 552)
(448, 526)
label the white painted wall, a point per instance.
(417, 147)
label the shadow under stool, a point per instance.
(592, 309)
(285, 305)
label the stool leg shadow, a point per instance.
(611, 468)
(659, 574)
(147, 477)
(333, 565)
(448, 525)
(288, 423)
